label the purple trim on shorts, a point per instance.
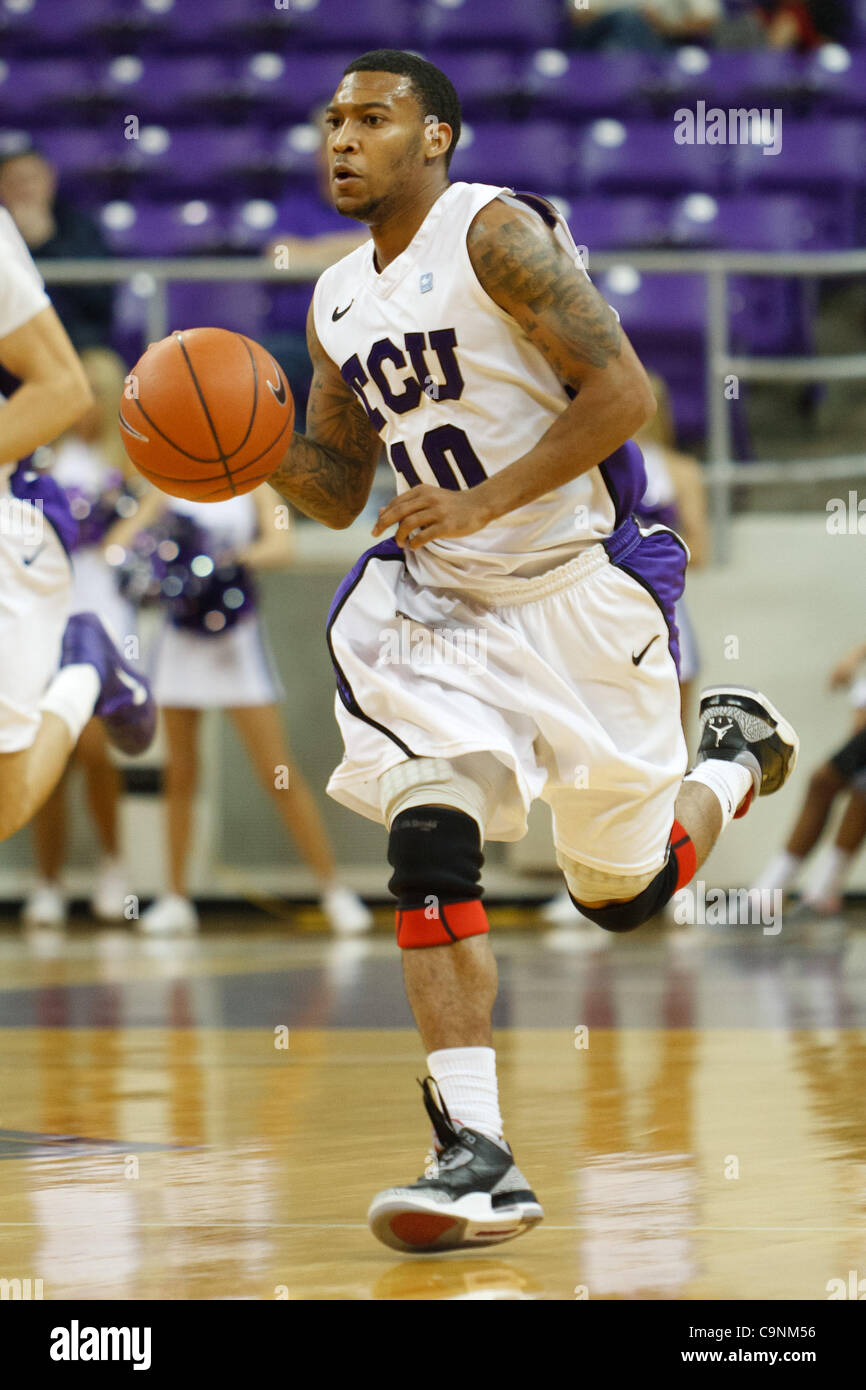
(385, 550)
(46, 494)
(658, 563)
(625, 479)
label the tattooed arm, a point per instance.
(524, 270)
(529, 275)
(328, 472)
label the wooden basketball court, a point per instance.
(208, 1119)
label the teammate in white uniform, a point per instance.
(515, 638)
(91, 465)
(43, 710)
(209, 663)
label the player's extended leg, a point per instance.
(747, 749)
(93, 679)
(261, 728)
(472, 1193)
(844, 769)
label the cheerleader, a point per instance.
(90, 464)
(212, 653)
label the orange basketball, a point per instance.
(206, 414)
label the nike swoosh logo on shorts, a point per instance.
(279, 388)
(139, 692)
(638, 659)
(338, 313)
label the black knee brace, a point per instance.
(627, 916)
(435, 852)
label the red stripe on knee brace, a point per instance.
(685, 854)
(442, 926)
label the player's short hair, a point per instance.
(433, 90)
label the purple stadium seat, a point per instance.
(485, 82)
(83, 156)
(40, 91)
(254, 223)
(580, 85)
(615, 224)
(185, 24)
(336, 23)
(838, 79)
(535, 155)
(305, 213)
(664, 317)
(489, 23)
(858, 22)
(750, 78)
(295, 153)
(661, 306)
(176, 89)
(50, 25)
(300, 213)
(289, 86)
(821, 157)
(239, 305)
(642, 156)
(158, 229)
(194, 163)
(750, 222)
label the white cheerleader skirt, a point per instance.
(193, 670)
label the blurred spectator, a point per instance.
(54, 230)
(803, 24)
(645, 26)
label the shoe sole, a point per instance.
(785, 730)
(409, 1222)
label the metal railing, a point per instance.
(722, 470)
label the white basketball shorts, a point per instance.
(35, 603)
(568, 681)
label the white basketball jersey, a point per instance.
(457, 392)
(22, 291)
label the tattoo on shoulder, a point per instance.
(523, 270)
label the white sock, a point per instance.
(780, 871)
(72, 696)
(829, 877)
(466, 1077)
(729, 783)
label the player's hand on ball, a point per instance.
(426, 513)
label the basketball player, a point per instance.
(42, 709)
(466, 338)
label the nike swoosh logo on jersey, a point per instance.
(638, 659)
(278, 388)
(338, 313)
(139, 692)
(28, 559)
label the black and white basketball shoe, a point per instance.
(472, 1193)
(740, 725)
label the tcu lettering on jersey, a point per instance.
(457, 392)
